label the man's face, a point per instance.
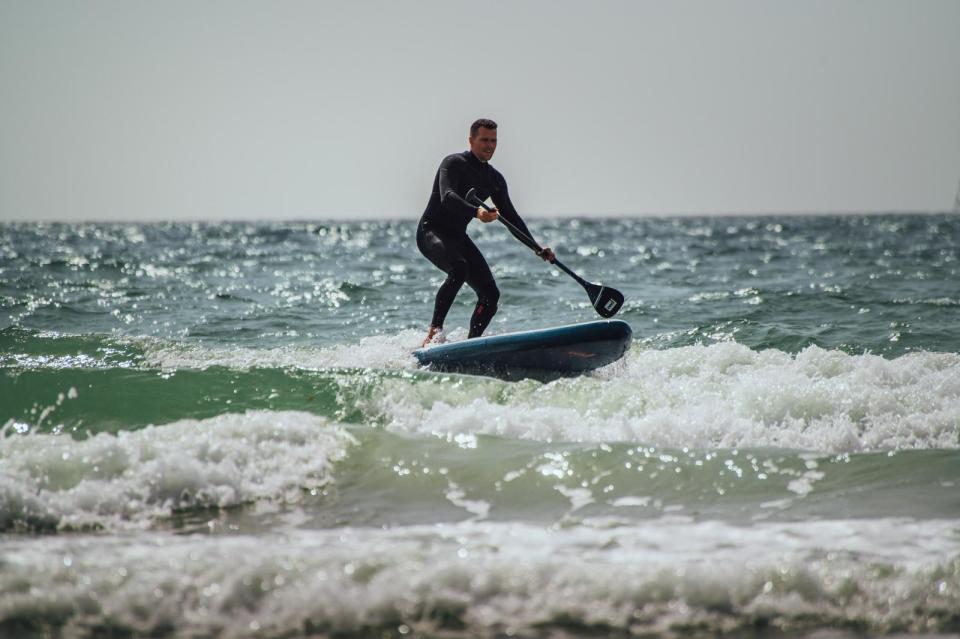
(484, 143)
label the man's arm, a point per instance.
(449, 181)
(509, 212)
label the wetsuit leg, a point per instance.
(480, 279)
(444, 252)
(462, 261)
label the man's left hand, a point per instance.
(546, 254)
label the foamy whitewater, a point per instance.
(219, 431)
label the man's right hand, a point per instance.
(487, 216)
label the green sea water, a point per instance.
(217, 430)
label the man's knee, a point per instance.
(486, 308)
(490, 296)
(458, 273)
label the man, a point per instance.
(442, 232)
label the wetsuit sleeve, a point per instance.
(508, 211)
(449, 177)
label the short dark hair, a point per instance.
(484, 123)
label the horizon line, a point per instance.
(370, 217)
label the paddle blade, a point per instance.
(606, 301)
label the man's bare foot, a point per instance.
(434, 336)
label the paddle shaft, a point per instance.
(606, 301)
(531, 243)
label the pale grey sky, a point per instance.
(131, 110)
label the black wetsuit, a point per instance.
(442, 234)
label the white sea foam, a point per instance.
(722, 395)
(489, 578)
(377, 351)
(129, 479)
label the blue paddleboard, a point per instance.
(547, 352)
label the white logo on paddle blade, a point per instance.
(610, 305)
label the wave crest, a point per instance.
(132, 478)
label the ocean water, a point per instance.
(217, 430)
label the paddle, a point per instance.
(606, 301)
